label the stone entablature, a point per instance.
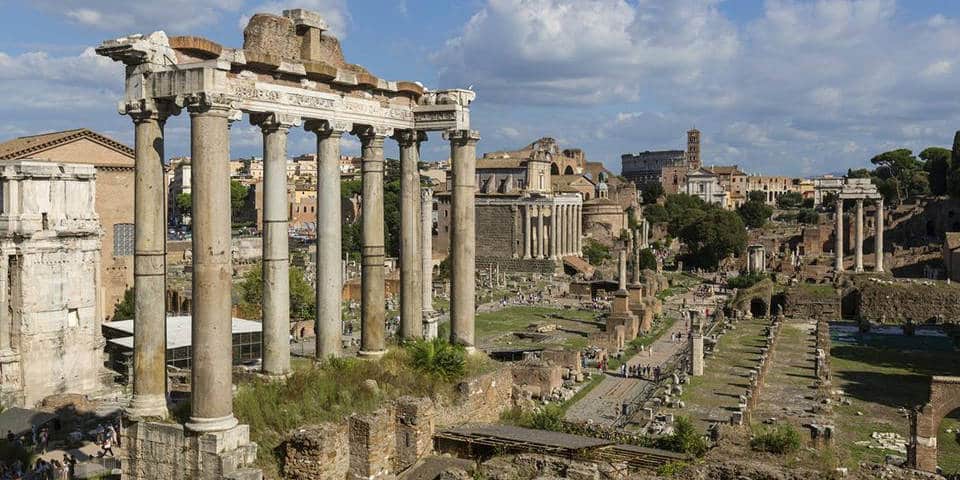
(50, 341)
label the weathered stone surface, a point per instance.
(271, 35)
(320, 451)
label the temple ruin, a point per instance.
(289, 72)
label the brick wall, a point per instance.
(498, 232)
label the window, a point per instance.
(122, 239)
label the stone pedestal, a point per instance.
(620, 314)
(160, 451)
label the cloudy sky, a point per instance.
(794, 87)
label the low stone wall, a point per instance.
(519, 265)
(164, 451)
(391, 439)
(896, 301)
(801, 303)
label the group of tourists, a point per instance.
(640, 371)
(40, 470)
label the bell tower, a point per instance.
(693, 148)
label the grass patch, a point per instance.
(781, 440)
(332, 390)
(948, 444)
(818, 289)
(518, 318)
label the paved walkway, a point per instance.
(602, 404)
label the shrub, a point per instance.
(781, 440)
(808, 216)
(746, 280)
(672, 469)
(439, 358)
(550, 417)
(685, 438)
(595, 252)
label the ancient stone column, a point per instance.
(6, 326)
(878, 238)
(276, 251)
(372, 314)
(426, 244)
(463, 239)
(636, 260)
(411, 265)
(578, 223)
(858, 241)
(564, 230)
(839, 235)
(541, 244)
(330, 269)
(554, 231)
(527, 233)
(622, 286)
(211, 383)
(149, 267)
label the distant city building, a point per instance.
(705, 185)
(648, 166)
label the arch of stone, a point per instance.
(289, 73)
(925, 422)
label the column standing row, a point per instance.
(553, 239)
(859, 236)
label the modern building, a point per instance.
(114, 164)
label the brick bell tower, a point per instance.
(693, 149)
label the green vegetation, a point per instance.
(808, 216)
(595, 252)
(657, 330)
(790, 200)
(185, 204)
(126, 308)
(672, 469)
(746, 280)
(302, 296)
(709, 232)
(331, 391)
(650, 192)
(438, 358)
(948, 444)
(648, 261)
(685, 438)
(10, 453)
(755, 211)
(391, 212)
(937, 163)
(782, 439)
(490, 325)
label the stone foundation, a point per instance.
(519, 265)
(166, 451)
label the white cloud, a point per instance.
(141, 16)
(334, 12)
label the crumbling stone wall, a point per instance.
(924, 424)
(317, 451)
(499, 229)
(898, 301)
(802, 303)
(372, 444)
(518, 265)
(540, 377)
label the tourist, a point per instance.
(107, 447)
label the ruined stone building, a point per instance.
(50, 339)
(522, 223)
(665, 166)
(113, 162)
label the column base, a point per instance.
(144, 407)
(527, 257)
(430, 325)
(203, 425)
(470, 350)
(371, 353)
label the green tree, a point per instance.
(125, 310)
(185, 204)
(302, 296)
(953, 181)
(808, 216)
(648, 261)
(757, 196)
(790, 200)
(755, 214)
(595, 252)
(650, 192)
(238, 203)
(715, 236)
(937, 163)
(903, 166)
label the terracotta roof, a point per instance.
(725, 170)
(567, 180)
(952, 240)
(511, 162)
(25, 147)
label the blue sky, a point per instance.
(791, 87)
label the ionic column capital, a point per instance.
(270, 122)
(462, 137)
(327, 128)
(148, 109)
(409, 138)
(373, 135)
(214, 104)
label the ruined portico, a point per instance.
(858, 190)
(289, 72)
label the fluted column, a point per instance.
(839, 236)
(426, 257)
(372, 314)
(858, 241)
(329, 267)
(878, 238)
(211, 385)
(411, 265)
(149, 266)
(554, 230)
(463, 236)
(540, 232)
(276, 250)
(527, 233)
(578, 235)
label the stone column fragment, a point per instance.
(527, 233)
(411, 265)
(878, 238)
(276, 249)
(839, 235)
(858, 240)
(149, 267)
(463, 238)
(330, 269)
(426, 243)
(211, 385)
(372, 314)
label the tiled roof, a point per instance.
(25, 147)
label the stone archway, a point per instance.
(925, 422)
(758, 307)
(554, 169)
(568, 170)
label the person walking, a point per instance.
(107, 447)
